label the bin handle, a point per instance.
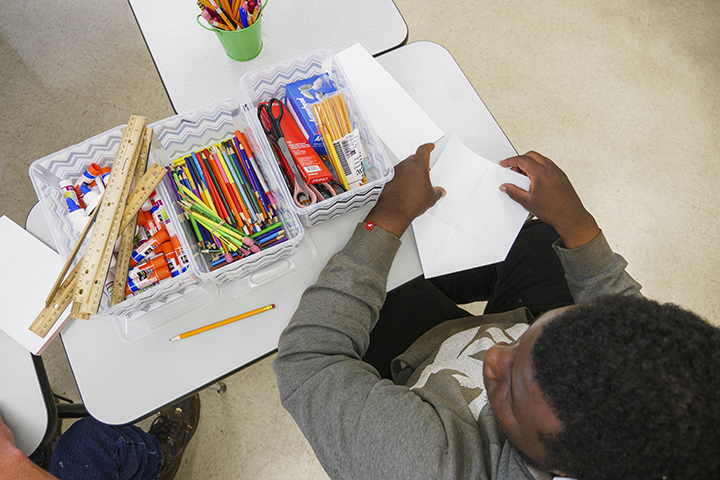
(213, 29)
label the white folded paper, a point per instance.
(29, 270)
(475, 224)
(396, 117)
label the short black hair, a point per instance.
(636, 385)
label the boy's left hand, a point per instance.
(408, 195)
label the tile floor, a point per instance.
(623, 95)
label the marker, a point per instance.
(222, 322)
(243, 17)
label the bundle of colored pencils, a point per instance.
(230, 14)
(227, 201)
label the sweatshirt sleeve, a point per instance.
(350, 416)
(594, 270)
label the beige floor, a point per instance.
(624, 95)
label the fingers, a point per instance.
(525, 164)
(423, 153)
(516, 193)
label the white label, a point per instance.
(350, 153)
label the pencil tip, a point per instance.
(175, 338)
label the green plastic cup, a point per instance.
(241, 45)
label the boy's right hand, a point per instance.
(551, 198)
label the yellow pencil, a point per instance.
(223, 322)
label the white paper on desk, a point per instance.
(396, 117)
(475, 224)
(29, 270)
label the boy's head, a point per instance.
(623, 387)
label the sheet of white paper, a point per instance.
(395, 116)
(475, 224)
(29, 270)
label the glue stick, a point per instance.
(150, 225)
(105, 175)
(171, 258)
(180, 252)
(146, 268)
(149, 245)
(134, 286)
(142, 230)
(157, 216)
(89, 174)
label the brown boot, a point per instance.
(174, 427)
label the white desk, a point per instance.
(183, 51)
(121, 381)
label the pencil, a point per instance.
(223, 322)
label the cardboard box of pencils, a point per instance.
(356, 159)
(51, 173)
(232, 208)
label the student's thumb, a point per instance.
(516, 193)
(439, 193)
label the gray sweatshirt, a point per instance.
(433, 421)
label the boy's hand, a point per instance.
(408, 195)
(551, 198)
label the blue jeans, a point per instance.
(90, 449)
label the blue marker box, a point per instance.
(301, 95)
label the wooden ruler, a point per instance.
(65, 294)
(107, 225)
(128, 237)
(70, 259)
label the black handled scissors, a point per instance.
(271, 124)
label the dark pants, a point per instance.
(531, 276)
(90, 450)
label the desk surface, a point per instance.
(183, 51)
(121, 380)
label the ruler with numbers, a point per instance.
(127, 238)
(65, 294)
(107, 224)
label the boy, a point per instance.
(607, 389)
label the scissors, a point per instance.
(271, 124)
(331, 188)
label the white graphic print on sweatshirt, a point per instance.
(457, 354)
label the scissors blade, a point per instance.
(291, 163)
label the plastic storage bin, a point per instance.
(69, 164)
(177, 136)
(180, 135)
(264, 84)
